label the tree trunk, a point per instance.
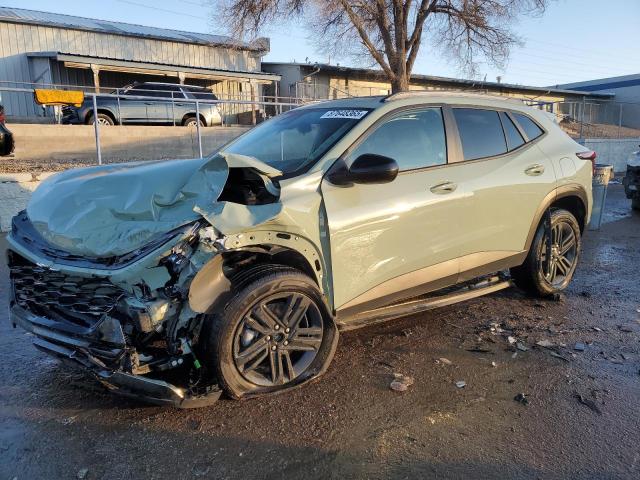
(400, 83)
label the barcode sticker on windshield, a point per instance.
(354, 114)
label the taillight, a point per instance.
(588, 155)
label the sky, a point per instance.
(574, 40)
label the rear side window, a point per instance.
(480, 132)
(201, 94)
(414, 139)
(531, 129)
(514, 139)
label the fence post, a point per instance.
(582, 117)
(198, 128)
(97, 128)
(620, 122)
(119, 112)
(173, 109)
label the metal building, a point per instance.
(40, 48)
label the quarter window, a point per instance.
(514, 139)
(531, 128)
(414, 139)
(480, 132)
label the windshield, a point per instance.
(294, 141)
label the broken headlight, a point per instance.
(180, 254)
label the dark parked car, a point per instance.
(175, 105)
(6, 137)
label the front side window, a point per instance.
(294, 141)
(531, 128)
(480, 132)
(413, 139)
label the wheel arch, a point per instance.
(572, 197)
(214, 283)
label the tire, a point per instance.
(191, 122)
(267, 351)
(534, 275)
(635, 203)
(103, 119)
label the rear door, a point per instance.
(506, 177)
(133, 110)
(389, 240)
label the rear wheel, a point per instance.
(547, 271)
(275, 333)
(192, 122)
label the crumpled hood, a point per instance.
(115, 209)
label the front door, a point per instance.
(389, 240)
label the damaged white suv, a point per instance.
(235, 272)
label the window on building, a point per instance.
(531, 128)
(480, 132)
(514, 139)
(413, 139)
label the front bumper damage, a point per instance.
(97, 349)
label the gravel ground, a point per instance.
(581, 420)
(12, 165)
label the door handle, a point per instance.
(444, 187)
(535, 170)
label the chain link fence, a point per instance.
(593, 119)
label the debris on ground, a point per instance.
(556, 297)
(511, 339)
(545, 343)
(522, 347)
(444, 361)
(494, 364)
(579, 347)
(588, 403)
(401, 382)
(597, 329)
(625, 328)
(82, 473)
(461, 384)
(521, 398)
(557, 355)
(479, 350)
(68, 420)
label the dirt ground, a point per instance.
(582, 419)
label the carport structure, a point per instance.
(38, 49)
(56, 68)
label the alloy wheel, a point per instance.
(278, 339)
(103, 121)
(564, 252)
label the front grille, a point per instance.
(68, 111)
(45, 291)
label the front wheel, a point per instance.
(548, 269)
(275, 333)
(103, 120)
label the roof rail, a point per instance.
(430, 93)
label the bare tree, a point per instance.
(391, 31)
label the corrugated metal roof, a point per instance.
(470, 84)
(20, 15)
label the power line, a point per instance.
(174, 12)
(556, 46)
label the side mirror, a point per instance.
(367, 169)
